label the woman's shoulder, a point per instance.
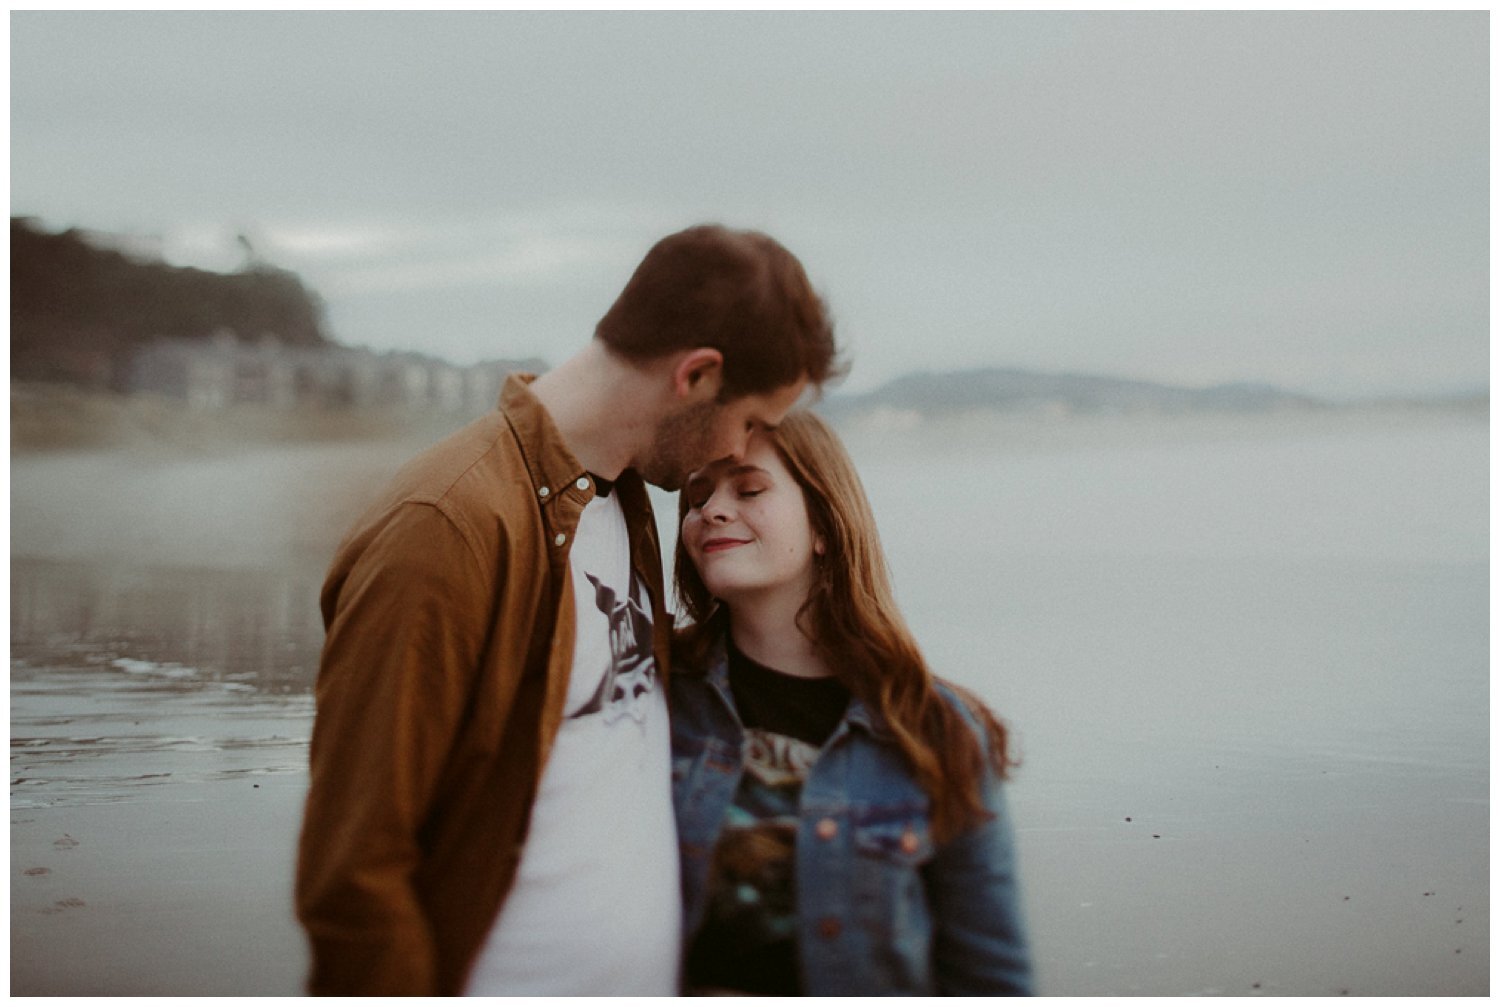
(987, 727)
(689, 679)
(962, 699)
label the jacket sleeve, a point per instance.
(979, 939)
(405, 631)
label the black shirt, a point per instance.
(804, 708)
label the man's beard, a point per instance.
(680, 446)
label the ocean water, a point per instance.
(1248, 676)
(1245, 667)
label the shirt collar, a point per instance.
(552, 467)
(857, 715)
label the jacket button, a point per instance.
(544, 492)
(829, 927)
(561, 538)
(827, 829)
(583, 484)
(909, 842)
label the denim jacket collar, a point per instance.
(858, 714)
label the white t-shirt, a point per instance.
(596, 907)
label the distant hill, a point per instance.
(78, 311)
(1010, 390)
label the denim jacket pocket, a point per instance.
(902, 838)
(891, 848)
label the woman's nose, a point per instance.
(714, 510)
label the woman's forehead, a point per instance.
(759, 457)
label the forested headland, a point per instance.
(79, 310)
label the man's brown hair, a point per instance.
(739, 292)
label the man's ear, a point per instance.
(698, 375)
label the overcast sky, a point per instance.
(1288, 197)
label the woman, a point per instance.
(839, 809)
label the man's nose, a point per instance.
(741, 444)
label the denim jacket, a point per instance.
(881, 908)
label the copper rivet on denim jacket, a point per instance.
(828, 828)
(909, 842)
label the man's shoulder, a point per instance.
(475, 478)
(478, 466)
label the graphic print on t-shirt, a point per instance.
(752, 877)
(748, 937)
(631, 674)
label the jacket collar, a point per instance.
(861, 715)
(552, 467)
(857, 715)
(549, 462)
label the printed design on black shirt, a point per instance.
(631, 674)
(777, 760)
(747, 941)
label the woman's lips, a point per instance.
(721, 544)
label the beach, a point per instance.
(1246, 663)
(164, 638)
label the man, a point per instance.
(490, 806)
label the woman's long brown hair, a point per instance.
(852, 619)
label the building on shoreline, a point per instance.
(223, 370)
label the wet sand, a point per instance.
(180, 892)
(164, 638)
(155, 799)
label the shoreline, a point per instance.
(255, 487)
